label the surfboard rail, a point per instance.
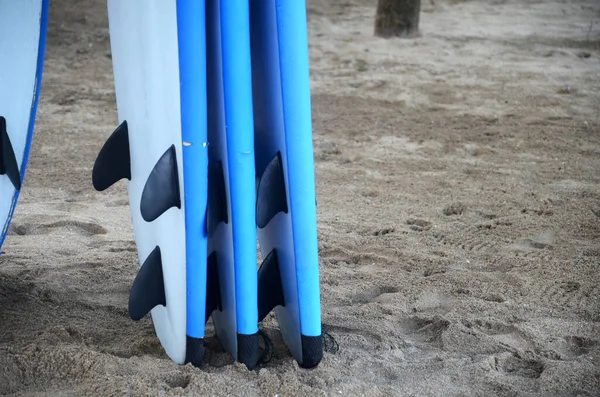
(23, 27)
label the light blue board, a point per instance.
(34, 100)
(237, 89)
(222, 241)
(192, 80)
(295, 92)
(281, 89)
(231, 142)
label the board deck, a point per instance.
(23, 27)
(286, 214)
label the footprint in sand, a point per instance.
(418, 225)
(81, 227)
(505, 335)
(577, 346)
(117, 203)
(457, 208)
(570, 347)
(373, 293)
(513, 364)
(177, 379)
(428, 330)
(539, 242)
(566, 295)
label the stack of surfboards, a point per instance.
(22, 42)
(215, 139)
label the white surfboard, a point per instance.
(22, 43)
(143, 37)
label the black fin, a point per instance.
(8, 160)
(217, 197)
(213, 287)
(148, 289)
(271, 196)
(161, 191)
(113, 162)
(270, 290)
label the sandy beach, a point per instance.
(458, 185)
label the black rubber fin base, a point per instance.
(161, 191)
(271, 197)
(213, 287)
(247, 352)
(312, 351)
(194, 351)
(8, 159)
(113, 162)
(270, 290)
(217, 197)
(148, 289)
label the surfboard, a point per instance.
(194, 244)
(288, 278)
(146, 149)
(231, 154)
(23, 27)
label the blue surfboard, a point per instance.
(288, 279)
(231, 156)
(23, 27)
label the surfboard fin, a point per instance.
(8, 160)
(271, 195)
(213, 288)
(148, 289)
(270, 290)
(161, 191)
(217, 197)
(113, 162)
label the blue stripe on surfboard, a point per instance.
(295, 84)
(237, 84)
(32, 114)
(192, 74)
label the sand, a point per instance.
(458, 182)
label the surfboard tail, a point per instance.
(160, 193)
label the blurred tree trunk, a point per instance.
(397, 18)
